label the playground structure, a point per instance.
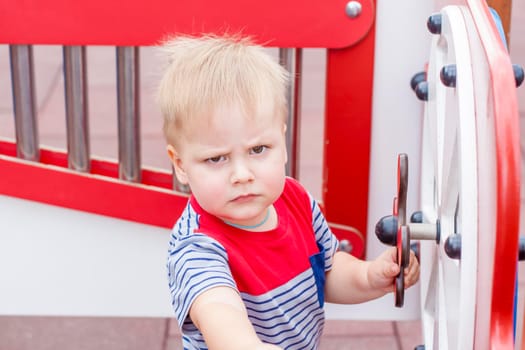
(355, 115)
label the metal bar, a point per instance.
(75, 86)
(291, 59)
(24, 102)
(128, 92)
(423, 231)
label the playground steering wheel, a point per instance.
(468, 204)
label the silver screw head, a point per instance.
(353, 9)
(345, 246)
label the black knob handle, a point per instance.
(421, 91)
(386, 230)
(419, 84)
(434, 23)
(416, 217)
(417, 78)
(521, 246)
(447, 75)
(518, 74)
(453, 246)
(414, 246)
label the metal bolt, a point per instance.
(434, 23)
(345, 246)
(353, 9)
(453, 246)
(447, 75)
(421, 91)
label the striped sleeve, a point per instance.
(323, 234)
(195, 264)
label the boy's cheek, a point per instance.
(205, 185)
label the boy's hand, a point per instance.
(384, 269)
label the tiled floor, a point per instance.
(55, 333)
(45, 333)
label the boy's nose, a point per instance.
(241, 173)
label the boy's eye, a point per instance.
(216, 159)
(258, 149)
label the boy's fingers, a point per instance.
(393, 254)
(412, 272)
(391, 270)
(410, 280)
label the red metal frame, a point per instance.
(348, 119)
(100, 192)
(307, 23)
(508, 178)
(314, 23)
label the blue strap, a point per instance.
(499, 25)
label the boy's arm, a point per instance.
(221, 316)
(352, 281)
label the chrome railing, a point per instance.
(128, 98)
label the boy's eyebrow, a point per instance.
(210, 149)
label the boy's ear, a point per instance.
(176, 161)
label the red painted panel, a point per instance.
(98, 166)
(94, 193)
(101, 192)
(309, 23)
(347, 134)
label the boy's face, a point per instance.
(235, 165)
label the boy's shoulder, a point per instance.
(292, 184)
(294, 190)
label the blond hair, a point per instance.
(207, 72)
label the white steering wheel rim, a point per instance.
(449, 173)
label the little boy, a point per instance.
(252, 259)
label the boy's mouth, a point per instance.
(244, 198)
